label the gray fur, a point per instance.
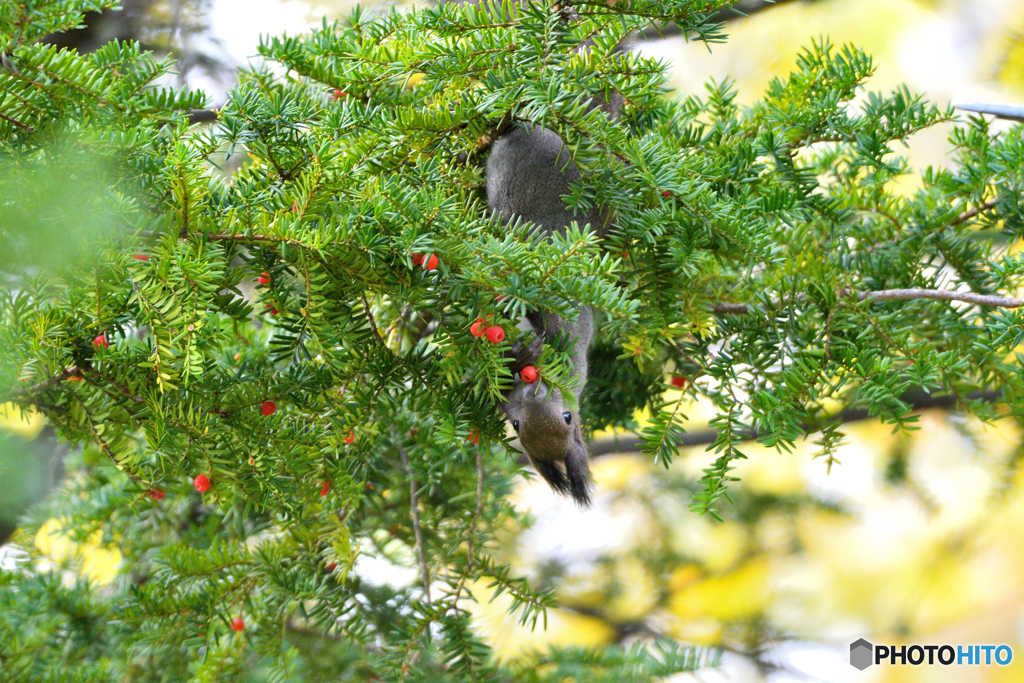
(528, 172)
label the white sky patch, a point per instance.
(935, 57)
(238, 24)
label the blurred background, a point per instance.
(914, 537)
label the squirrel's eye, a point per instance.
(515, 425)
(567, 416)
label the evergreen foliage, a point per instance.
(156, 303)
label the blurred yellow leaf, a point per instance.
(510, 639)
(96, 562)
(735, 595)
(27, 425)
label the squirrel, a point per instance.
(528, 172)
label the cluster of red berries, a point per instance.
(494, 333)
(429, 264)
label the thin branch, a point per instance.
(971, 213)
(479, 507)
(373, 323)
(24, 126)
(962, 218)
(942, 295)
(893, 295)
(414, 504)
(917, 401)
(73, 371)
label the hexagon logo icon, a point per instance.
(861, 654)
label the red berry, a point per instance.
(351, 437)
(237, 356)
(477, 328)
(495, 334)
(325, 488)
(417, 259)
(268, 408)
(473, 437)
(140, 257)
(264, 278)
(295, 207)
(529, 374)
(156, 494)
(911, 362)
(75, 378)
(678, 381)
(331, 566)
(499, 298)
(666, 193)
(101, 340)
(431, 263)
(338, 94)
(238, 624)
(202, 483)
(271, 309)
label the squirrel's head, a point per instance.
(551, 436)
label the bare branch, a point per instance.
(917, 401)
(414, 504)
(893, 295)
(479, 507)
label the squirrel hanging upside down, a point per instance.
(528, 172)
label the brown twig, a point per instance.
(414, 504)
(373, 323)
(971, 213)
